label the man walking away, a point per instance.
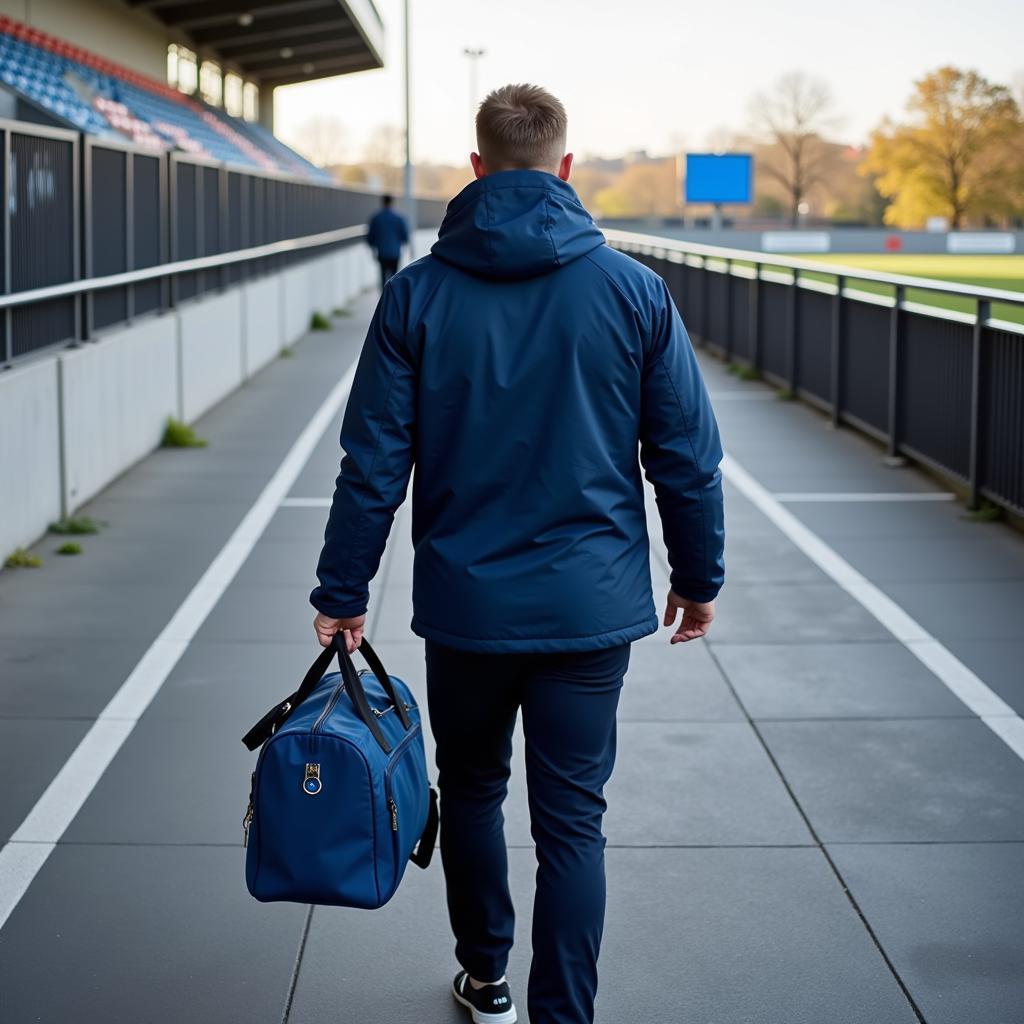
(387, 233)
(520, 367)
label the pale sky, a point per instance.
(658, 75)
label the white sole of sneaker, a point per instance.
(508, 1017)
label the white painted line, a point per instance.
(306, 503)
(36, 836)
(792, 496)
(953, 673)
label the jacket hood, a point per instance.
(515, 224)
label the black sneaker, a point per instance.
(491, 1004)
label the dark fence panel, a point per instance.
(236, 223)
(865, 365)
(775, 329)
(148, 229)
(186, 225)
(813, 352)
(935, 399)
(42, 202)
(210, 215)
(106, 236)
(742, 347)
(1002, 389)
(716, 332)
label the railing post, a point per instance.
(223, 227)
(981, 316)
(129, 230)
(754, 318)
(792, 330)
(86, 302)
(5, 217)
(893, 441)
(705, 291)
(729, 347)
(172, 226)
(837, 350)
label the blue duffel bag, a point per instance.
(340, 799)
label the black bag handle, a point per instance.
(279, 714)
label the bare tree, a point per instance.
(323, 140)
(385, 146)
(791, 117)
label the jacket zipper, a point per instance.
(396, 755)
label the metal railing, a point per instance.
(95, 232)
(941, 387)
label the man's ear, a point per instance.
(478, 165)
(565, 167)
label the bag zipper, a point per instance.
(390, 707)
(396, 754)
(328, 708)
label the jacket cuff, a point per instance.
(692, 590)
(337, 609)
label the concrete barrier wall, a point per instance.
(210, 350)
(116, 396)
(29, 453)
(262, 309)
(297, 303)
(71, 423)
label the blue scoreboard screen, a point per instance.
(714, 178)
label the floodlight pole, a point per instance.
(473, 54)
(408, 199)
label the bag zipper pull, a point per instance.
(246, 822)
(394, 815)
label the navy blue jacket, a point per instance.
(387, 233)
(520, 367)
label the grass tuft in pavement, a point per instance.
(181, 435)
(786, 395)
(21, 559)
(74, 526)
(318, 322)
(985, 513)
(341, 311)
(69, 547)
(748, 373)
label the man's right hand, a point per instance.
(696, 620)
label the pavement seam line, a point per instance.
(819, 844)
(61, 801)
(970, 689)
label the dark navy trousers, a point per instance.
(568, 702)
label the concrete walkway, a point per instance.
(807, 824)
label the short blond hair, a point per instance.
(520, 126)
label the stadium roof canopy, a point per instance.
(278, 42)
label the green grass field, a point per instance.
(1006, 272)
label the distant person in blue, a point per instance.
(387, 233)
(531, 374)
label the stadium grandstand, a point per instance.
(151, 220)
(209, 106)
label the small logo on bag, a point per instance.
(311, 784)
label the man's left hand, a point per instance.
(326, 628)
